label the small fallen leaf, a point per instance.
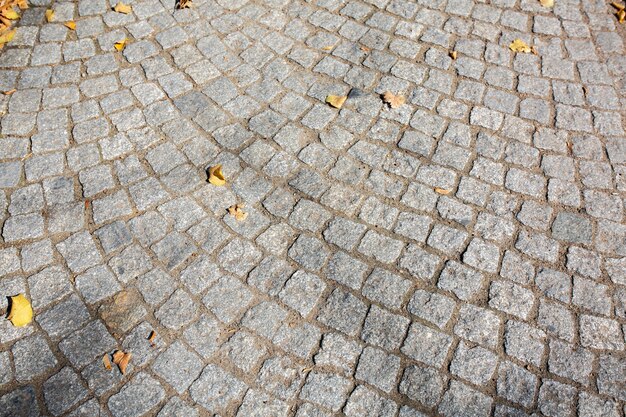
(70, 25)
(121, 44)
(10, 14)
(393, 100)
(365, 49)
(618, 6)
(87, 203)
(122, 8)
(621, 15)
(327, 48)
(22, 4)
(124, 362)
(236, 211)
(519, 45)
(9, 92)
(117, 356)
(21, 312)
(453, 54)
(547, 3)
(184, 4)
(151, 337)
(50, 15)
(534, 50)
(442, 191)
(307, 370)
(106, 362)
(121, 359)
(336, 101)
(216, 176)
(6, 37)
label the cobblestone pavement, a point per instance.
(462, 255)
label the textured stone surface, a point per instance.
(460, 255)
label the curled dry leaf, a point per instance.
(70, 25)
(50, 15)
(327, 48)
(106, 362)
(9, 92)
(442, 191)
(365, 49)
(621, 15)
(453, 54)
(22, 4)
(121, 359)
(122, 8)
(21, 312)
(151, 337)
(393, 100)
(547, 3)
(121, 44)
(184, 4)
(519, 45)
(336, 101)
(236, 211)
(216, 176)
(618, 6)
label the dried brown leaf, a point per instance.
(453, 54)
(236, 211)
(547, 3)
(9, 92)
(393, 100)
(106, 362)
(124, 362)
(184, 4)
(442, 191)
(151, 337)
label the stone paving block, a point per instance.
(137, 397)
(63, 390)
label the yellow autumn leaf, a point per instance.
(236, 211)
(336, 101)
(519, 45)
(453, 54)
(122, 8)
(22, 4)
(393, 100)
(547, 3)
(216, 176)
(120, 45)
(618, 6)
(621, 15)
(50, 15)
(6, 37)
(442, 191)
(327, 48)
(10, 14)
(21, 312)
(70, 25)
